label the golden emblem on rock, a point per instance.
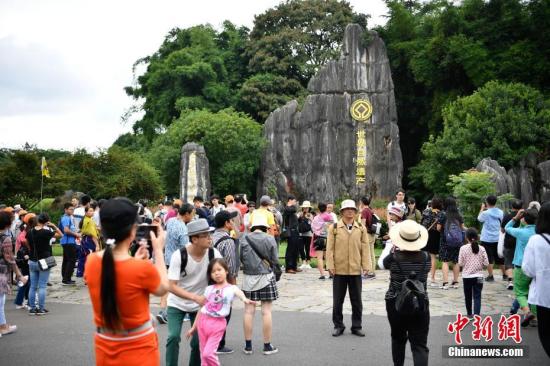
(361, 110)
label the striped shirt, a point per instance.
(409, 262)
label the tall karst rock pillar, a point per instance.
(344, 142)
(194, 172)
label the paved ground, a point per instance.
(302, 327)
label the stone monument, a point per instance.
(344, 140)
(194, 172)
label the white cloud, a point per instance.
(64, 64)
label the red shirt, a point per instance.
(366, 215)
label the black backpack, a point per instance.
(375, 225)
(304, 225)
(185, 256)
(412, 298)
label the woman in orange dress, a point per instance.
(120, 286)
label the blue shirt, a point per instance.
(491, 220)
(67, 221)
(176, 238)
(522, 235)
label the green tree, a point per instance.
(503, 121)
(233, 145)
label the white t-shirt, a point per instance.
(78, 216)
(218, 300)
(195, 281)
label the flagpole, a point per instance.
(41, 189)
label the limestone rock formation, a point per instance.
(313, 151)
(194, 172)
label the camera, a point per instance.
(143, 237)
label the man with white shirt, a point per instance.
(399, 203)
(80, 211)
(187, 286)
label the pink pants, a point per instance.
(211, 331)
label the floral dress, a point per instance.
(7, 260)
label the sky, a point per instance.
(64, 63)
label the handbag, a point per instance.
(275, 267)
(47, 263)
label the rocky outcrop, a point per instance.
(312, 150)
(194, 172)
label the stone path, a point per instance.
(304, 292)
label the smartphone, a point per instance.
(143, 237)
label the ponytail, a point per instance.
(473, 238)
(109, 309)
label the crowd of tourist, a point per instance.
(192, 254)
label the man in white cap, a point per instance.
(187, 287)
(348, 256)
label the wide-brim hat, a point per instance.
(348, 204)
(259, 220)
(409, 235)
(199, 226)
(306, 204)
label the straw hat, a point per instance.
(306, 204)
(408, 235)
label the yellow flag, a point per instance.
(45, 170)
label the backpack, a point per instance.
(454, 236)
(375, 224)
(304, 225)
(185, 257)
(412, 298)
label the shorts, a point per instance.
(508, 258)
(319, 243)
(492, 253)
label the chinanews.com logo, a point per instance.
(508, 328)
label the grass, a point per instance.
(57, 250)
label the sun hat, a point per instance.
(409, 235)
(306, 204)
(348, 204)
(199, 226)
(397, 211)
(265, 200)
(260, 220)
(17, 208)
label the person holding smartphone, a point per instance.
(119, 287)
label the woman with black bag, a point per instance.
(40, 250)
(408, 263)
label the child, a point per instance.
(472, 258)
(210, 319)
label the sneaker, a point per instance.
(33, 311)
(186, 318)
(18, 307)
(504, 277)
(534, 323)
(510, 285)
(454, 285)
(269, 350)
(444, 286)
(527, 319)
(489, 279)
(49, 284)
(306, 266)
(11, 329)
(68, 283)
(247, 351)
(370, 276)
(161, 317)
(45, 310)
(330, 277)
(433, 284)
(41, 312)
(224, 351)
(322, 278)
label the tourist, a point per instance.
(275, 230)
(305, 217)
(367, 220)
(398, 202)
(319, 225)
(536, 265)
(258, 249)
(330, 210)
(290, 227)
(216, 206)
(176, 238)
(80, 210)
(68, 243)
(522, 234)
(188, 281)
(225, 244)
(74, 202)
(247, 218)
(451, 226)
(240, 203)
(472, 258)
(534, 204)
(510, 242)
(412, 212)
(22, 259)
(408, 239)
(200, 210)
(7, 262)
(172, 213)
(237, 220)
(491, 218)
(39, 238)
(348, 257)
(430, 218)
(120, 286)
(161, 212)
(264, 211)
(211, 319)
(90, 240)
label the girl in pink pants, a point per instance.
(210, 320)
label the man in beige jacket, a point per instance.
(348, 256)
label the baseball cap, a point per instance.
(223, 216)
